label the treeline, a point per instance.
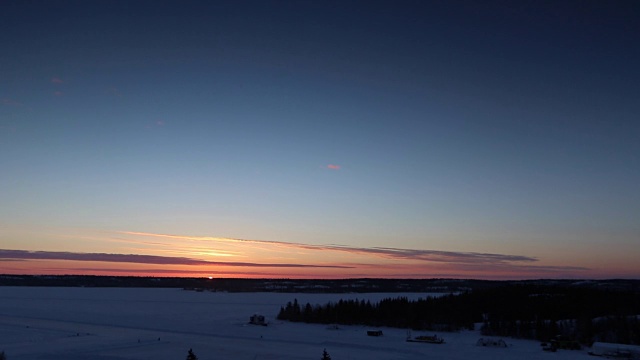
(525, 311)
(303, 285)
(611, 329)
(251, 285)
(582, 314)
(444, 313)
(102, 281)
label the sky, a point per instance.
(320, 139)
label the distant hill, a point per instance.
(303, 285)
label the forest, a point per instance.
(524, 311)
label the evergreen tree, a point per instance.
(3, 356)
(191, 355)
(325, 355)
(526, 311)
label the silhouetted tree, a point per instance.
(325, 355)
(191, 355)
(3, 356)
(527, 311)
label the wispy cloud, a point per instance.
(56, 80)
(385, 252)
(409, 262)
(192, 254)
(333, 167)
(139, 259)
(57, 93)
(156, 271)
(434, 255)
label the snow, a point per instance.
(129, 323)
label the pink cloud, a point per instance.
(57, 93)
(437, 256)
(333, 167)
(56, 80)
(414, 262)
(26, 255)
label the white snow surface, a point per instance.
(133, 323)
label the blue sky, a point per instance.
(505, 128)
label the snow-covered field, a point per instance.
(108, 323)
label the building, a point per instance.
(491, 342)
(257, 319)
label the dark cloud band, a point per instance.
(138, 259)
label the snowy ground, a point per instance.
(116, 324)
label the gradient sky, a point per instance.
(335, 139)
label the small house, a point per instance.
(257, 319)
(430, 339)
(562, 342)
(489, 342)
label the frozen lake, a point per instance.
(130, 323)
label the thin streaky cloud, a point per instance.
(441, 256)
(389, 253)
(487, 268)
(167, 247)
(56, 80)
(139, 259)
(203, 238)
(137, 242)
(522, 268)
(333, 167)
(261, 274)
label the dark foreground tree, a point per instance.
(325, 355)
(191, 355)
(3, 356)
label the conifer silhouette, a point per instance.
(191, 355)
(325, 355)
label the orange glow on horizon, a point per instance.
(148, 254)
(62, 267)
